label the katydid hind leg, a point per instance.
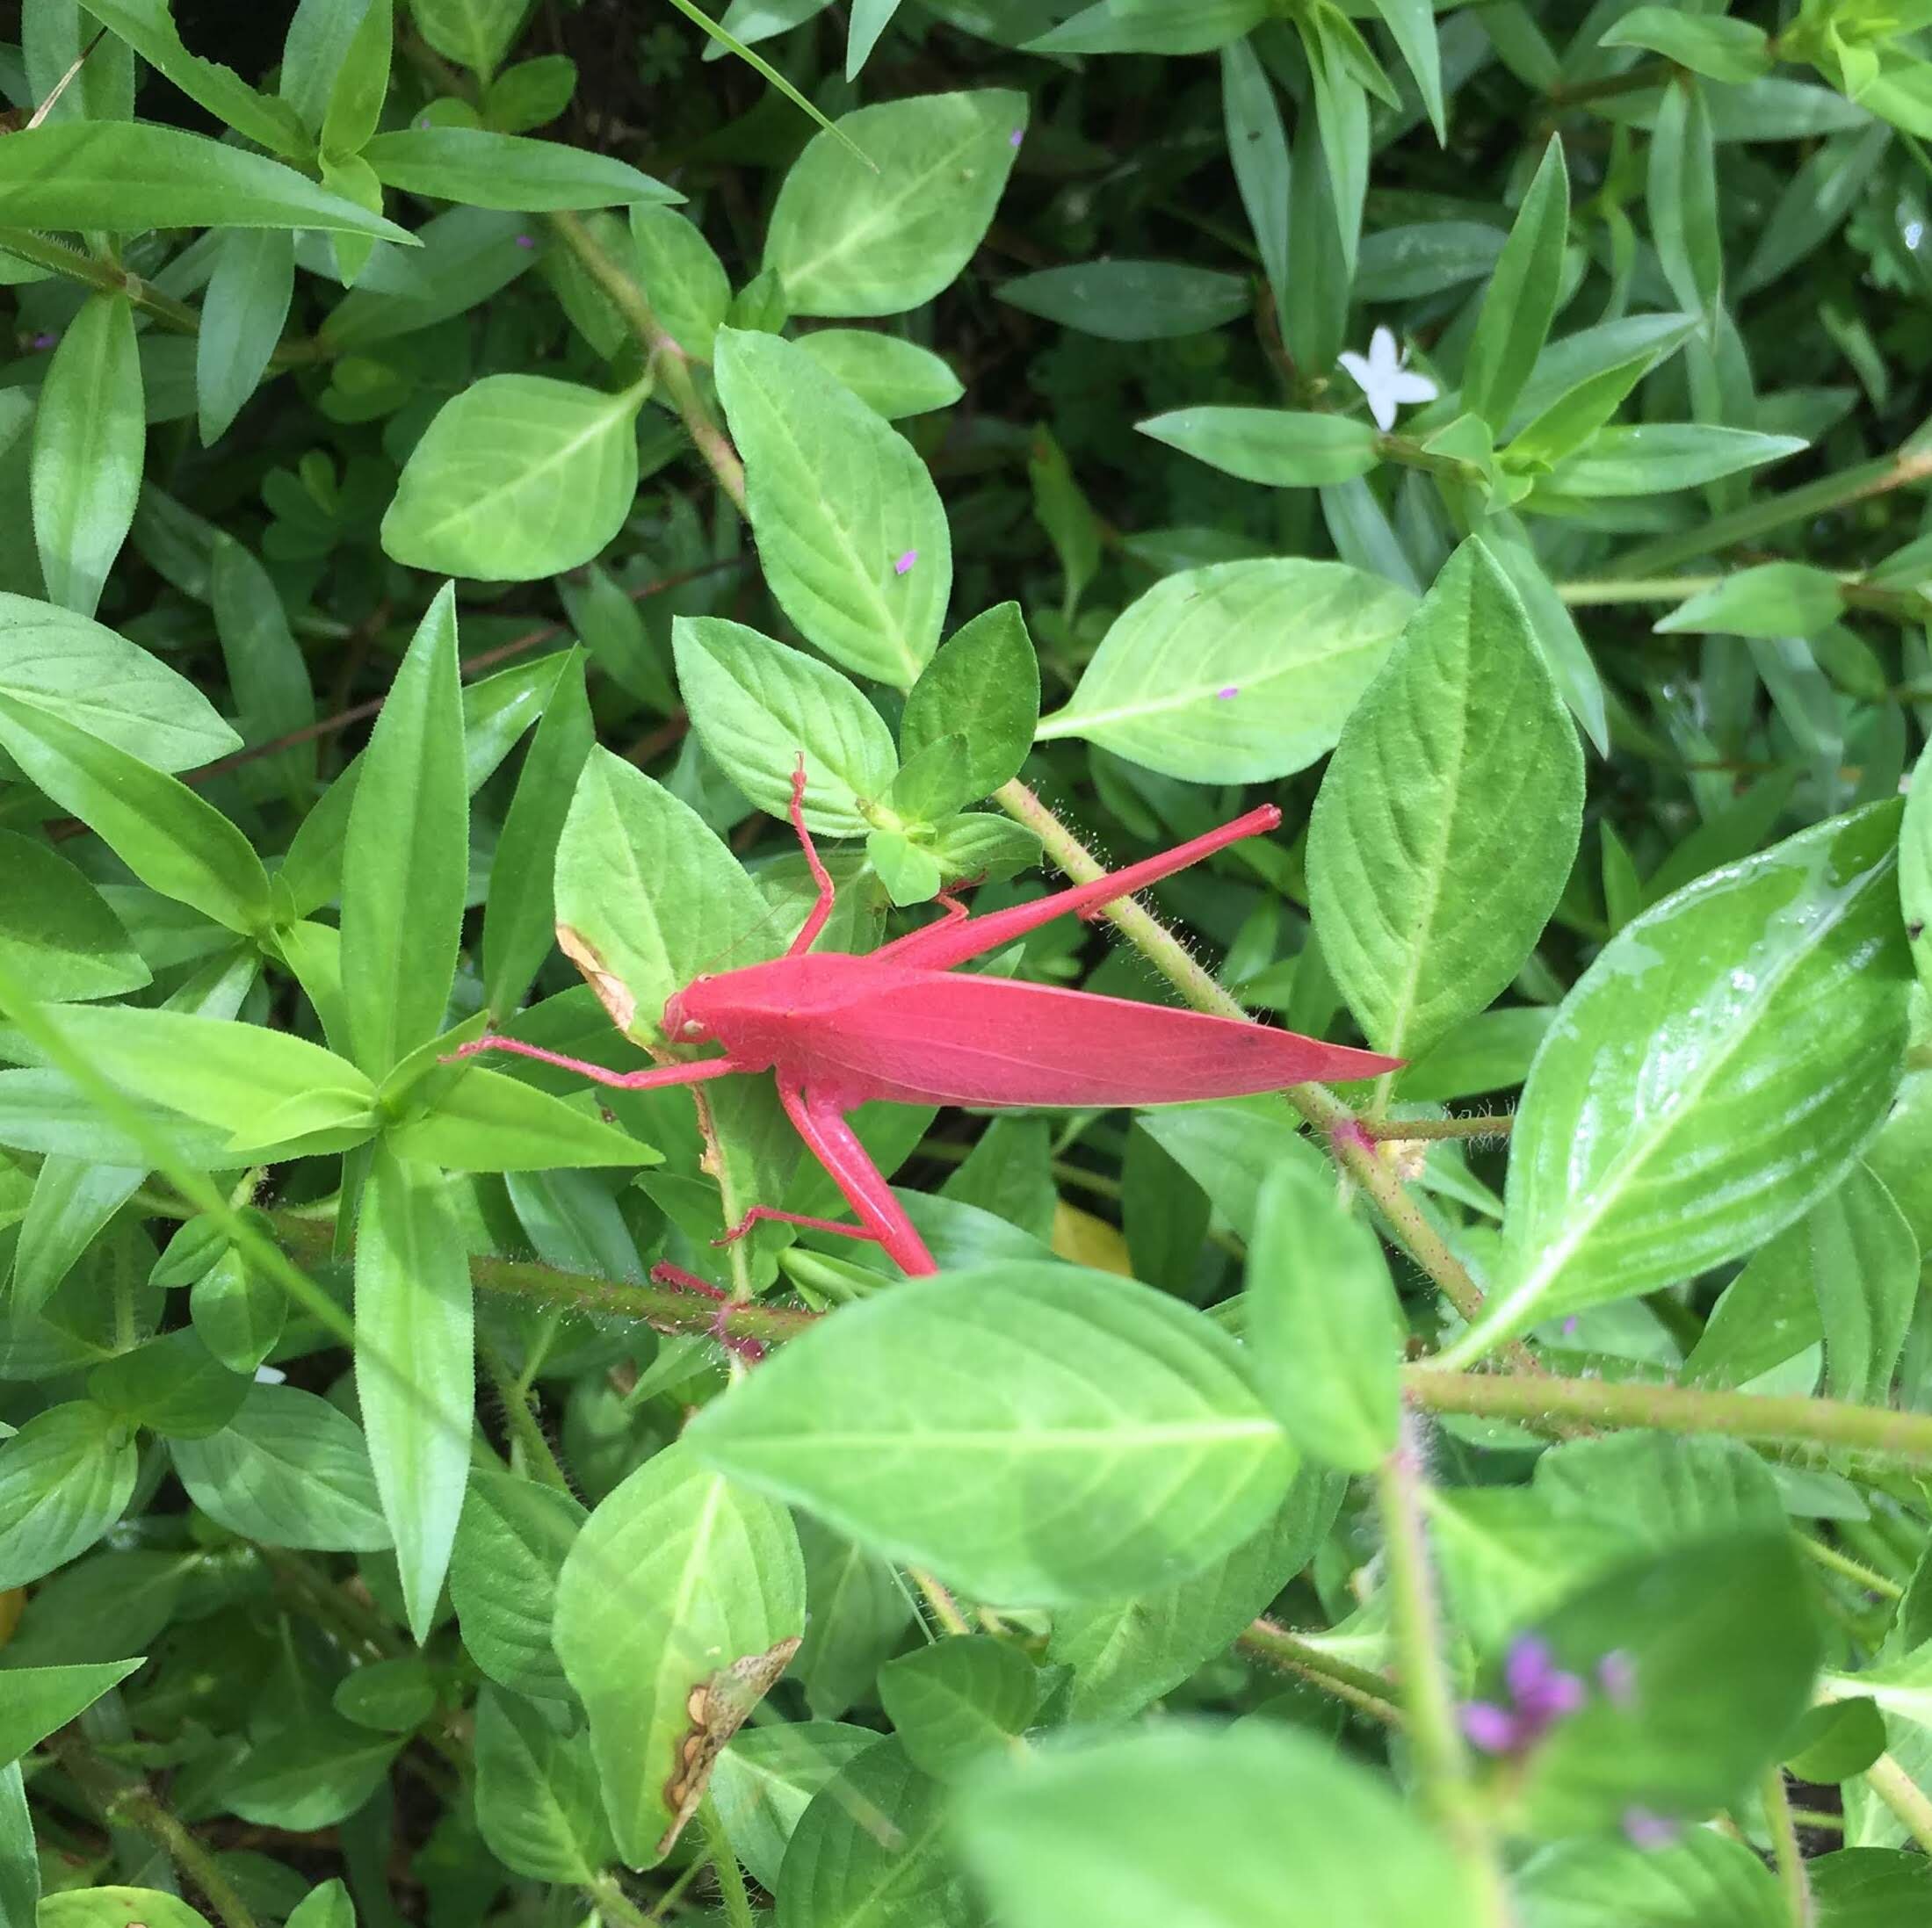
(835, 1145)
(822, 911)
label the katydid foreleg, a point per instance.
(649, 1079)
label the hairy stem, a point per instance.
(1901, 1441)
(1904, 1796)
(669, 362)
(1788, 1856)
(1368, 1693)
(526, 1428)
(724, 1865)
(1429, 1700)
(1341, 1129)
(607, 1892)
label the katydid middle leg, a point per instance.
(652, 1077)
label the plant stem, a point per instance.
(1906, 465)
(1790, 1858)
(310, 1240)
(1650, 588)
(1633, 80)
(607, 1892)
(724, 1863)
(1435, 1737)
(133, 1804)
(944, 1609)
(1904, 1796)
(671, 363)
(1475, 1124)
(107, 278)
(540, 1457)
(1834, 1562)
(1366, 1691)
(1902, 1441)
(1341, 1129)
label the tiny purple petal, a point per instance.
(1561, 1695)
(425, 122)
(1642, 1829)
(1233, 689)
(905, 562)
(1570, 1326)
(1017, 135)
(1617, 1675)
(1528, 1666)
(1490, 1727)
(526, 241)
(45, 341)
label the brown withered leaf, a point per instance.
(718, 1707)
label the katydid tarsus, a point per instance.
(837, 1029)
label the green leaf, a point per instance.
(86, 675)
(1720, 48)
(1130, 300)
(1575, 414)
(1774, 599)
(871, 1849)
(1668, 1125)
(173, 1384)
(1126, 1653)
(520, 914)
(265, 665)
(1864, 1268)
(307, 1769)
(238, 1311)
(1682, 198)
(354, 110)
(89, 439)
(122, 177)
(766, 1781)
(519, 476)
(958, 1701)
(850, 528)
(1198, 26)
(1814, 203)
(983, 687)
(1236, 673)
(259, 1086)
(290, 1471)
(41, 1701)
(1399, 264)
(859, 1609)
(538, 1805)
(1522, 298)
(677, 1576)
(1869, 1888)
(1258, 149)
(683, 279)
(1449, 817)
(1323, 1322)
(893, 378)
(1915, 865)
(172, 840)
(57, 932)
(510, 1544)
(1651, 457)
(405, 869)
(649, 894)
(65, 1477)
(415, 1371)
(242, 314)
(1703, 1881)
(1412, 27)
(759, 707)
(1060, 1381)
(885, 229)
(1835, 1740)
(1225, 1826)
(328, 1906)
(506, 170)
(1720, 1648)
(149, 28)
(474, 34)
(1273, 446)
(482, 1121)
(1229, 1147)
(112, 1907)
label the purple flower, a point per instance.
(1570, 1326)
(1017, 135)
(45, 340)
(526, 241)
(1541, 1694)
(1232, 689)
(1642, 1829)
(905, 562)
(1617, 1675)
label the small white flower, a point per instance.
(1380, 376)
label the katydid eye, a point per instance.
(692, 1027)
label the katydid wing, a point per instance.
(838, 1030)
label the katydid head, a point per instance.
(680, 1023)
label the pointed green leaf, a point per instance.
(1522, 298)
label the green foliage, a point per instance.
(460, 461)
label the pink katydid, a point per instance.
(896, 1023)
